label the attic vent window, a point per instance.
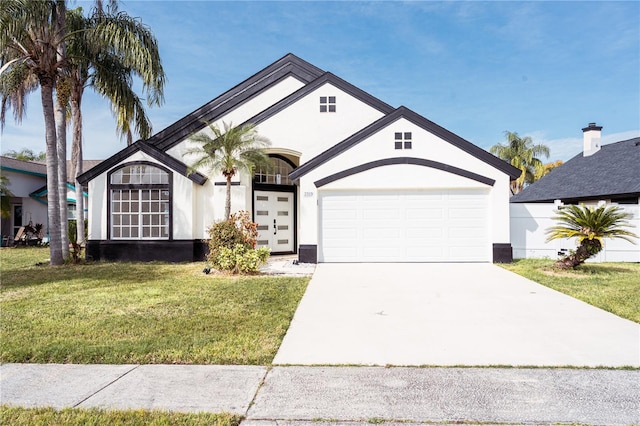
(327, 104)
(403, 140)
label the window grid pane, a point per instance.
(327, 103)
(139, 213)
(280, 167)
(402, 140)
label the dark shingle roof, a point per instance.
(612, 172)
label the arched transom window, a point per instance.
(279, 175)
(140, 202)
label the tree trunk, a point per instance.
(585, 250)
(61, 120)
(53, 212)
(227, 202)
(61, 123)
(76, 159)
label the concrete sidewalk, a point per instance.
(339, 395)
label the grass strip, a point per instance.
(613, 287)
(18, 416)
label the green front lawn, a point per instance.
(614, 287)
(73, 416)
(141, 313)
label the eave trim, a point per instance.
(152, 152)
(418, 120)
(404, 160)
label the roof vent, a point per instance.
(591, 139)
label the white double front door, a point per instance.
(273, 212)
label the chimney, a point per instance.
(591, 139)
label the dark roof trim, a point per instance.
(573, 200)
(404, 160)
(327, 77)
(289, 65)
(152, 152)
(418, 120)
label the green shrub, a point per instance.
(241, 259)
(232, 245)
(223, 234)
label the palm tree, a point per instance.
(31, 40)
(24, 154)
(523, 154)
(5, 197)
(106, 50)
(229, 151)
(590, 225)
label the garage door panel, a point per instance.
(346, 234)
(467, 233)
(406, 226)
(381, 214)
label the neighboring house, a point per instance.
(28, 185)
(600, 174)
(355, 180)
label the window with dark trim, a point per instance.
(140, 196)
(327, 104)
(279, 175)
(402, 140)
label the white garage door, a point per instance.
(404, 226)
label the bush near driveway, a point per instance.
(614, 287)
(147, 313)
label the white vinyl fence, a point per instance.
(528, 239)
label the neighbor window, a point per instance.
(140, 202)
(327, 104)
(402, 140)
(72, 214)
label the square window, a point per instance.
(332, 108)
(332, 99)
(323, 108)
(398, 144)
(407, 144)
(398, 135)
(323, 99)
(407, 135)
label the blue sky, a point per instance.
(542, 69)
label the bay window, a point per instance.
(140, 202)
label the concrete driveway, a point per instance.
(449, 314)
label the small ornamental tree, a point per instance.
(590, 225)
(232, 245)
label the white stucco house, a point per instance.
(601, 174)
(356, 180)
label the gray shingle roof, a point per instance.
(612, 172)
(29, 167)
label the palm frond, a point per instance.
(589, 223)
